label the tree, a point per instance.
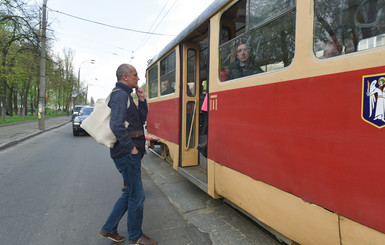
(92, 102)
(69, 79)
(19, 63)
(18, 22)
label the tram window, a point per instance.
(262, 11)
(167, 74)
(348, 26)
(191, 72)
(153, 82)
(203, 63)
(225, 34)
(233, 21)
(268, 45)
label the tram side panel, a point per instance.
(305, 137)
(163, 119)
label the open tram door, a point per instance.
(189, 165)
(190, 105)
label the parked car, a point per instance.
(75, 111)
(84, 112)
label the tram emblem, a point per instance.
(373, 99)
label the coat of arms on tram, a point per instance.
(373, 99)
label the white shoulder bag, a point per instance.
(98, 123)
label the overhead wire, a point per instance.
(147, 36)
(89, 47)
(93, 41)
(161, 11)
(148, 33)
(108, 25)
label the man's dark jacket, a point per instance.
(133, 135)
(238, 70)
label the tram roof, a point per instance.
(204, 16)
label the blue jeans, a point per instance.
(132, 200)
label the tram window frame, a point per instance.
(203, 59)
(167, 74)
(153, 82)
(191, 72)
(264, 39)
(344, 29)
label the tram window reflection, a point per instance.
(191, 72)
(351, 26)
(153, 82)
(262, 11)
(167, 74)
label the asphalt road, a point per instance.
(59, 189)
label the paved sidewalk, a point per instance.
(13, 133)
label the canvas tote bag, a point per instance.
(97, 125)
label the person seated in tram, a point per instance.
(168, 88)
(244, 64)
(330, 50)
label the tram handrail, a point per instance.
(191, 126)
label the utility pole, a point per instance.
(41, 112)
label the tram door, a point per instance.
(190, 106)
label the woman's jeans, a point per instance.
(132, 200)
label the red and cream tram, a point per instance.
(295, 113)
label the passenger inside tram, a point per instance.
(168, 88)
(353, 26)
(330, 50)
(244, 64)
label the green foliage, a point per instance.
(49, 114)
(20, 50)
(17, 119)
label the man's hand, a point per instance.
(140, 93)
(134, 151)
(155, 139)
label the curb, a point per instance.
(17, 141)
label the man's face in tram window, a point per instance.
(243, 53)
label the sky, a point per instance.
(110, 47)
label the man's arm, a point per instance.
(142, 105)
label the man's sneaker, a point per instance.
(112, 236)
(143, 240)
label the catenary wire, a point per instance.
(107, 25)
(148, 37)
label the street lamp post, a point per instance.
(78, 88)
(88, 84)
